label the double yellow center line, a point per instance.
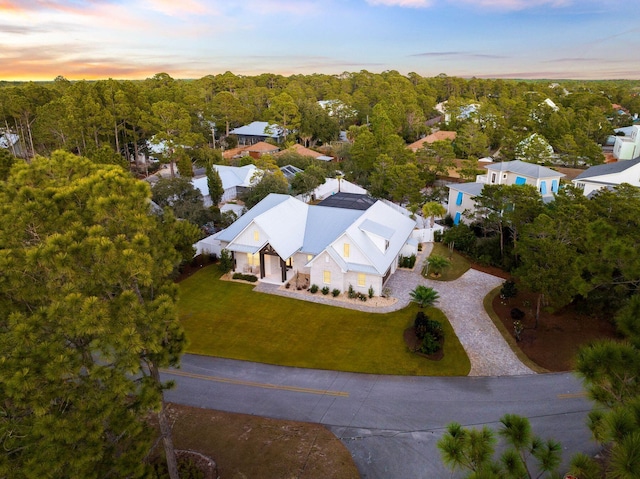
(238, 382)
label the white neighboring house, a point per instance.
(331, 186)
(258, 131)
(516, 172)
(628, 147)
(336, 247)
(11, 142)
(608, 176)
(235, 181)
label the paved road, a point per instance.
(390, 424)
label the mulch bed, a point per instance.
(413, 343)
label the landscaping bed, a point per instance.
(554, 343)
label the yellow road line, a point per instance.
(572, 395)
(322, 392)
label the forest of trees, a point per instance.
(78, 238)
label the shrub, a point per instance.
(437, 263)
(437, 236)
(245, 277)
(508, 290)
(335, 292)
(430, 344)
(407, 261)
(517, 314)
(424, 326)
(419, 246)
(325, 290)
(351, 293)
(371, 292)
(226, 262)
(361, 296)
(420, 324)
(313, 289)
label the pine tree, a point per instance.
(87, 317)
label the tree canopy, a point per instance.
(87, 317)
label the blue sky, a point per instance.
(582, 39)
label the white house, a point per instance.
(609, 175)
(235, 181)
(336, 247)
(628, 146)
(545, 180)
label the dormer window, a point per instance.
(256, 235)
(345, 250)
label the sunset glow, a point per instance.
(133, 39)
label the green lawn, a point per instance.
(459, 264)
(229, 320)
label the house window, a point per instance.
(554, 186)
(256, 235)
(543, 187)
(326, 277)
(493, 178)
(504, 176)
(345, 248)
(362, 279)
(456, 220)
(521, 180)
(459, 198)
(309, 257)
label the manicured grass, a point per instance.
(459, 264)
(229, 320)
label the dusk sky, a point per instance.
(134, 39)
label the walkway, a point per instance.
(460, 300)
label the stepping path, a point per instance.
(461, 300)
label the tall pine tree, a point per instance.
(87, 318)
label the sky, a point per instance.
(135, 39)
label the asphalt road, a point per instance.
(390, 424)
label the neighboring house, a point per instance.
(257, 131)
(336, 247)
(290, 172)
(534, 148)
(235, 181)
(11, 142)
(331, 186)
(427, 140)
(254, 150)
(465, 112)
(303, 151)
(545, 180)
(628, 146)
(609, 175)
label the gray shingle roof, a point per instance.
(473, 189)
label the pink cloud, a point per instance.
(173, 8)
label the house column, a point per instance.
(283, 269)
(261, 265)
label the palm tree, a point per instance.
(437, 263)
(433, 209)
(424, 296)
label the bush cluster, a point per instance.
(407, 261)
(429, 331)
(335, 292)
(245, 277)
(313, 289)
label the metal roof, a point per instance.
(257, 128)
(473, 189)
(608, 168)
(523, 168)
